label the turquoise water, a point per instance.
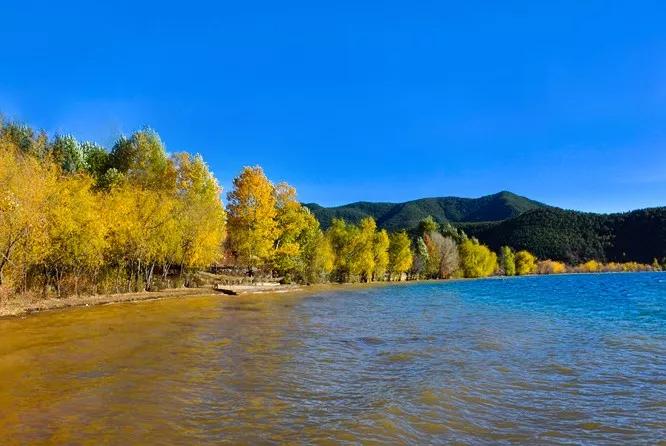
(574, 358)
(577, 359)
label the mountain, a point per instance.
(509, 219)
(575, 237)
(407, 215)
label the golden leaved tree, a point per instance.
(380, 248)
(202, 219)
(301, 252)
(291, 221)
(252, 218)
(400, 255)
(476, 260)
(363, 254)
(24, 188)
(76, 233)
(140, 220)
(525, 263)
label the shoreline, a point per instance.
(25, 305)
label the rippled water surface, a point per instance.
(546, 360)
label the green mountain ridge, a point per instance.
(509, 219)
(395, 216)
(575, 237)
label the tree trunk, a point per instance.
(149, 276)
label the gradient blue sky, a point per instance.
(564, 102)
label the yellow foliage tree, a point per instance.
(252, 218)
(476, 260)
(291, 221)
(296, 255)
(339, 236)
(76, 232)
(525, 263)
(318, 256)
(400, 255)
(24, 189)
(363, 253)
(380, 247)
(591, 266)
(144, 232)
(551, 267)
(201, 215)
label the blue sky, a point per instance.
(564, 102)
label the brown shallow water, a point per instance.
(472, 362)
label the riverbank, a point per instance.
(24, 304)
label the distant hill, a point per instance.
(509, 219)
(578, 236)
(407, 215)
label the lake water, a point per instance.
(549, 360)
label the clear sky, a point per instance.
(564, 102)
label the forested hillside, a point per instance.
(507, 219)
(576, 237)
(396, 216)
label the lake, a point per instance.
(565, 359)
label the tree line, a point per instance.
(78, 218)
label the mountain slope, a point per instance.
(575, 237)
(395, 216)
(508, 219)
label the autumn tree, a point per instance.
(252, 218)
(339, 236)
(25, 185)
(142, 158)
(76, 233)
(551, 267)
(434, 254)
(443, 259)
(318, 257)
(450, 257)
(291, 221)
(144, 233)
(362, 261)
(201, 217)
(361, 252)
(296, 254)
(380, 248)
(400, 255)
(525, 263)
(477, 260)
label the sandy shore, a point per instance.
(26, 304)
